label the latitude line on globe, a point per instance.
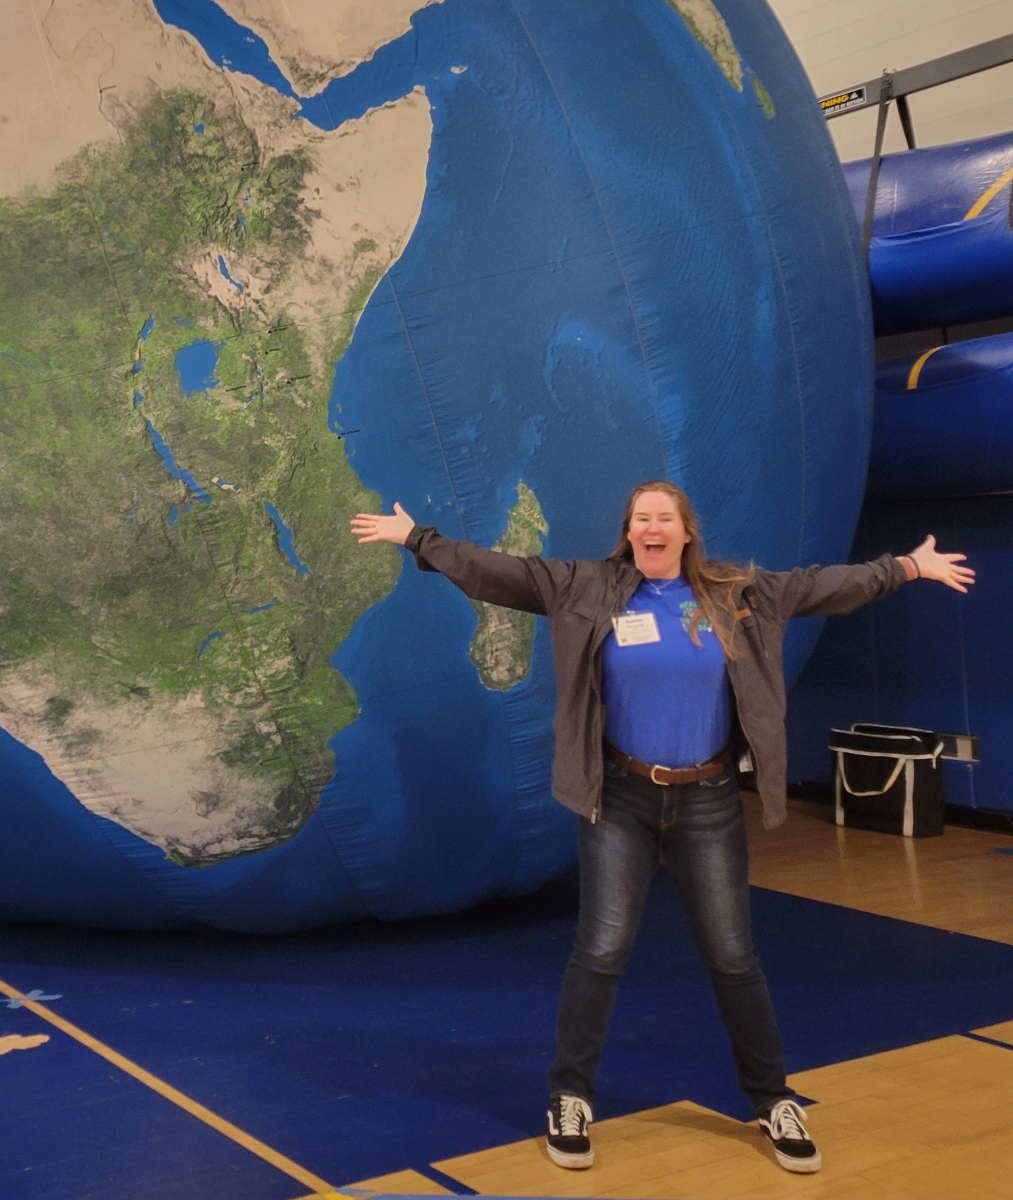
(377, 302)
(661, 236)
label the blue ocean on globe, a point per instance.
(626, 267)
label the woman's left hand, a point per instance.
(942, 567)
(375, 527)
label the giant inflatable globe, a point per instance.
(265, 265)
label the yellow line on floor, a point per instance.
(283, 1164)
(397, 1183)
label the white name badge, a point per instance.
(636, 629)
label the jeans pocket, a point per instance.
(722, 781)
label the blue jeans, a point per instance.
(697, 831)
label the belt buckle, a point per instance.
(657, 782)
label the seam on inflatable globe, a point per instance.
(151, 880)
(608, 229)
(786, 305)
(429, 403)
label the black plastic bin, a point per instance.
(887, 778)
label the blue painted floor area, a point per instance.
(76, 1127)
(370, 1048)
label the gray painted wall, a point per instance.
(845, 42)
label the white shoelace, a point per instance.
(574, 1116)
(787, 1120)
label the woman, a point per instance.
(668, 666)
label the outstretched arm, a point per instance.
(532, 584)
(830, 591)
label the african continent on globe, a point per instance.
(161, 650)
(267, 263)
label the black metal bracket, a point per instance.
(898, 85)
(917, 79)
(905, 121)
(885, 96)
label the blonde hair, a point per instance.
(714, 582)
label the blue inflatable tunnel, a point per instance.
(944, 423)
(942, 246)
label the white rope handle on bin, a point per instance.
(902, 762)
(894, 776)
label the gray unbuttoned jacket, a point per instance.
(580, 597)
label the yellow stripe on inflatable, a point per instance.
(916, 370)
(978, 206)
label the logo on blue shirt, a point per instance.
(688, 610)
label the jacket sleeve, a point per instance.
(826, 591)
(535, 585)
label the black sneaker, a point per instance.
(567, 1140)
(784, 1124)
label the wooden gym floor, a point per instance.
(378, 1059)
(930, 1120)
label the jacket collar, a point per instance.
(627, 578)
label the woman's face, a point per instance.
(657, 535)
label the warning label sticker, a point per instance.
(855, 98)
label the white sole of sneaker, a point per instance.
(572, 1162)
(799, 1166)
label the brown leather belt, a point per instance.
(669, 776)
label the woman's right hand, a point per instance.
(374, 527)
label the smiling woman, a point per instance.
(668, 670)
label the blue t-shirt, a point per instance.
(667, 702)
